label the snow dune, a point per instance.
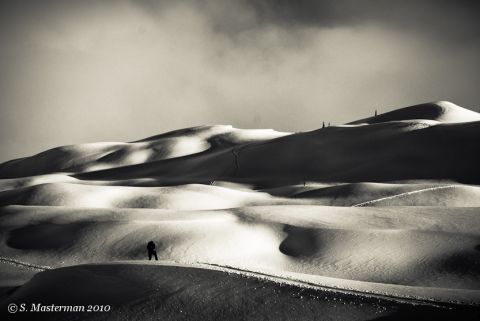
(376, 153)
(171, 292)
(75, 193)
(410, 246)
(95, 156)
(441, 111)
(384, 210)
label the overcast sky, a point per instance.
(87, 71)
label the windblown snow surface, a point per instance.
(375, 220)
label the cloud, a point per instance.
(121, 70)
(439, 17)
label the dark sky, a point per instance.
(86, 71)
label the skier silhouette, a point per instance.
(151, 250)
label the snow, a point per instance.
(384, 208)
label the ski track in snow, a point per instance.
(403, 194)
(25, 264)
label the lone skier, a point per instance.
(151, 250)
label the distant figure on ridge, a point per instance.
(151, 250)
